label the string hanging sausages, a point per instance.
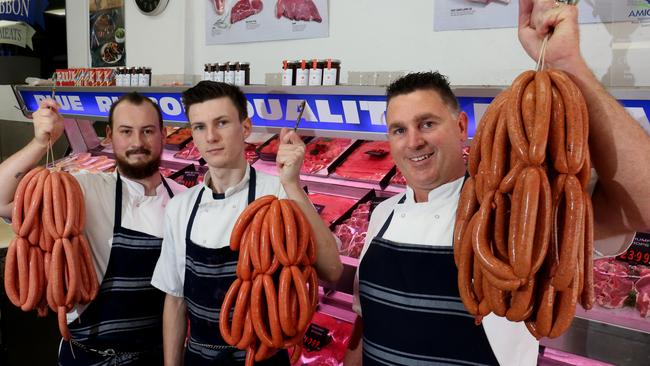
(523, 239)
(276, 291)
(49, 262)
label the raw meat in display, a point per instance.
(329, 348)
(398, 178)
(251, 153)
(86, 162)
(166, 172)
(244, 9)
(189, 152)
(320, 152)
(352, 232)
(333, 206)
(612, 283)
(270, 150)
(369, 161)
(642, 287)
(297, 10)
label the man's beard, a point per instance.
(138, 171)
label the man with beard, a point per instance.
(124, 209)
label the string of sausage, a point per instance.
(523, 239)
(276, 290)
(49, 263)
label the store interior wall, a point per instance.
(367, 35)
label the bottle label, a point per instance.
(302, 76)
(329, 76)
(315, 76)
(287, 77)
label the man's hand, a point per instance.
(48, 123)
(537, 18)
(291, 153)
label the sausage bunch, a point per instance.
(49, 262)
(523, 239)
(276, 290)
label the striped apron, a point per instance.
(123, 325)
(208, 276)
(412, 312)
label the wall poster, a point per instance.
(107, 34)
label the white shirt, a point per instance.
(213, 223)
(432, 223)
(139, 212)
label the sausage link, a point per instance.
(544, 222)
(264, 352)
(57, 273)
(72, 260)
(17, 216)
(48, 210)
(487, 145)
(304, 230)
(290, 231)
(501, 219)
(244, 260)
(557, 222)
(277, 233)
(532, 328)
(588, 295)
(309, 274)
(255, 237)
(303, 300)
(11, 273)
(34, 288)
(508, 182)
(72, 203)
(34, 204)
(528, 108)
(568, 247)
(544, 314)
(58, 204)
(521, 301)
(22, 254)
(257, 313)
(477, 280)
(272, 310)
(565, 309)
(521, 259)
(481, 242)
(265, 244)
(513, 108)
(224, 322)
(490, 115)
(499, 151)
(467, 206)
(465, 267)
(239, 315)
(90, 265)
(574, 122)
(584, 175)
(543, 105)
(245, 218)
(496, 299)
(287, 321)
(557, 133)
(515, 216)
(35, 233)
(506, 285)
(248, 337)
(63, 323)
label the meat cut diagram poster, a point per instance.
(237, 21)
(481, 14)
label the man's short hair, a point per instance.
(208, 90)
(424, 81)
(135, 99)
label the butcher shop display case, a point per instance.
(347, 171)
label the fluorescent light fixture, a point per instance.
(59, 12)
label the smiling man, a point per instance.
(124, 210)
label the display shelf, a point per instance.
(627, 317)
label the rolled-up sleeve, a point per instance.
(167, 276)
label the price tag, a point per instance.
(639, 251)
(316, 338)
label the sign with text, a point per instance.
(27, 11)
(341, 113)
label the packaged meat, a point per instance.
(370, 161)
(398, 178)
(325, 341)
(321, 152)
(352, 232)
(177, 141)
(189, 152)
(613, 282)
(86, 162)
(333, 206)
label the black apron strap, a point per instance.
(195, 208)
(117, 222)
(383, 229)
(169, 190)
(252, 180)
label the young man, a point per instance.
(196, 266)
(410, 312)
(123, 325)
